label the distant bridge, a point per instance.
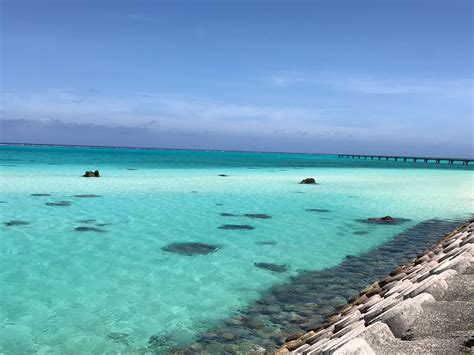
(405, 158)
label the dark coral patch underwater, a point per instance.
(236, 227)
(384, 220)
(272, 267)
(266, 242)
(190, 248)
(38, 195)
(16, 223)
(229, 215)
(257, 215)
(60, 203)
(89, 229)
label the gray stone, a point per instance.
(355, 346)
(382, 306)
(336, 343)
(400, 317)
(348, 328)
(377, 334)
(423, 298)
(316, 347)
(369, 303)
(469, 239)
(346, 320)
(434, 285)
(458, 263)
(403, 285)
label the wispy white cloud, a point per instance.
(143, 108)
(372, 84)
(194, 115)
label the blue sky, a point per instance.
(378, 76)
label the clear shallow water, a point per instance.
(69, 291)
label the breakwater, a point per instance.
(386, 309)
(303, 303)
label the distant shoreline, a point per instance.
(153, 148)
(203, 150)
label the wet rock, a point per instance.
(322, 210)
(308, 181)
(60, 203)
(360, 233)
(384, 220)
(91, 174)
(16, 223)
(87, 196)
(272, 267)
(191, 248)
(294, 336)
(257, 215)
(228, 215)
(38, 195)
(236, 227)
(89, 229)
(223, 175)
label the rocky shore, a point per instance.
(419, 307)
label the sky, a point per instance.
(321, 76)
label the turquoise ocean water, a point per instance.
(89, 274)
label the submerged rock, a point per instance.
(272, 267)
(223, 175)
(321, 210)
(40, 195)
(91, 174)
(228, 215)
(236, 226)
(266, 242)
(89, 229)
(119, 337)
(16, 223)
(308, 181)
(257, 215)
(191, 248)
(384, 220)
(87, 196)
(60, 203)
(360, 232)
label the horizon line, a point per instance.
(221, 150)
